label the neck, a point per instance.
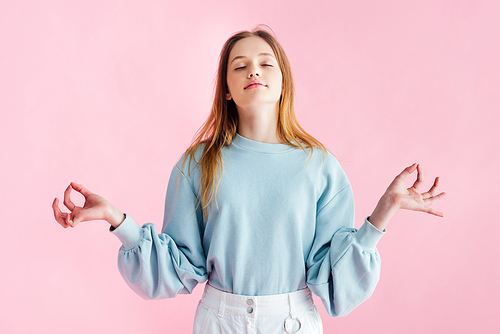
(259, 123)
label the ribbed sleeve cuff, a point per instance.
(368, 236)
(128, 232)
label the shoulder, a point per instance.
(190, 160)
(325, 159)
(327, 167)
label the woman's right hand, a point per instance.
(94, 208)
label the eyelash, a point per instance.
(239, 68)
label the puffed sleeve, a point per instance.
(343, 266)
(162, 265)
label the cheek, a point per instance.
(279, 81)
(231, 82)
(229, 86)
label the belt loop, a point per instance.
(222, 304)
(205, 290)
(292, 307)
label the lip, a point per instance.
(255, 84)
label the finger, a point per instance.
(434, 199)
(431, 191)
(72, 220)
(81, 189)
(433, 212)
(77, 220)
(68, 221)
(407, 171)
(67, 201)
(420, 178)
(58, 215)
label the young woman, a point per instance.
(257, 207)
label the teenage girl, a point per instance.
(257, 207)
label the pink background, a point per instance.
(110, 93)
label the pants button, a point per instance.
(250, 309)
(249, 302)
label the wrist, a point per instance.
(388, 203)
(383, 212)
(114, 216)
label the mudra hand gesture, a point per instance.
(94, 208)
(397, 196)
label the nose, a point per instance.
(254, 72)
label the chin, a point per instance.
(255, 102)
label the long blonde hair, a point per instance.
(221, 125)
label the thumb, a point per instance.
(75, 218)
(81, 189)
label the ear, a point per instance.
(228, 96)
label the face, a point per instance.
(253, 74)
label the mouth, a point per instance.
(254, 85)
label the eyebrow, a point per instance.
(260, 54)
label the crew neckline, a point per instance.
(258, 146)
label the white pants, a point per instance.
(221, 312)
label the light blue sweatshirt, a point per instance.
(282, 223)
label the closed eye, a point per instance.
(241, 67)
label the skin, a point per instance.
(253, 59)
(258, 117)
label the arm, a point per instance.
(152, 264)
(163, 265)
(344, 271)
(343, 267)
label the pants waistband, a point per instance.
(286, 303)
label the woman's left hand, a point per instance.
(409, 198)
(397, 196)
